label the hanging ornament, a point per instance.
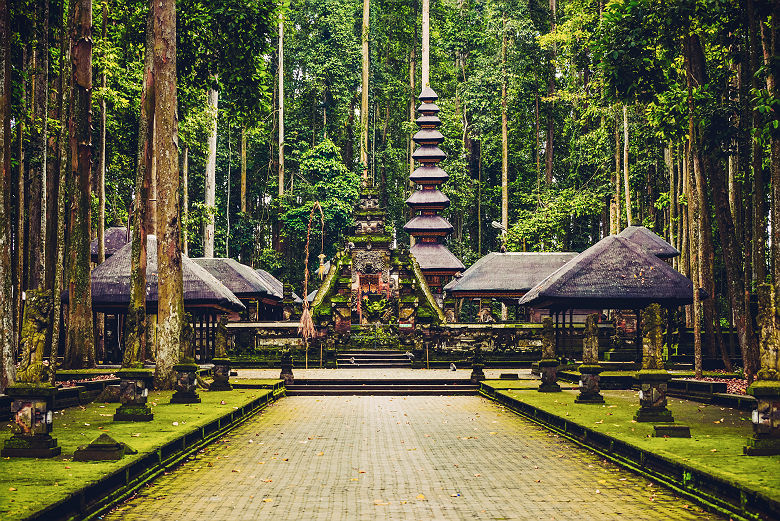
(321, 269)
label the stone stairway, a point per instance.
(403, 387)
(375, 359)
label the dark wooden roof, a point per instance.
(650, 241)
(428, 198)
(111, 284)
(615, 273)
(115, 238)
(242, 280)
(509, 274)
(275, 286)
(429, 174)
(428, 223)
(435, 257)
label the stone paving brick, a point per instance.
(410, 458)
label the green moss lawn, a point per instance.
(717, 433)
(27, 485)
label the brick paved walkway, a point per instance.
(416, 458)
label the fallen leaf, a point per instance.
(12, 489)
(421, 497)
(267, 500)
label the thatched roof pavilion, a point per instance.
(506, 275)
(275, 286)
(242, 280)
(115, 238)
(615, 273)
(649, 241)
(202, 292)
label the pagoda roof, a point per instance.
(428, 223)
(432, 198)
(428, 173)
(239, 278)
(435, 257)
(428, 94)
(429, 153)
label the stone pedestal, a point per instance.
(31, 411)
(652, 397)
(287, 369)
(186, 383)
(477, 372)
(221, 373)
(589, 384)
(134, 388)
(548, 370)
(766, 419)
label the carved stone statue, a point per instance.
(652, 347)
(37, 309)
(221, 338)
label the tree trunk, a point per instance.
(629, 216)
(80, 350)
(170, 313)
(185, 197)
(281, 104)
(694, 223)
(732, 254)
(412, 97)
(364, 93)
(136, 330)
(7, 327)
(617, 225)
(63, 160)
(758, 256)
(36, 205)
(243, 169)
(769, 37)
(211, 172)
(548, 161)
(504, 136)
(101, 186)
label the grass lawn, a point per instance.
(717, 433)
(27, 485)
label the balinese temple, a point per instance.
(428, 228)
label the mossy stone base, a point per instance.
(104, 448)
(129, 412)
(671, 431)
(654, 415)
(551, 387)
(185, 397)
(589, 398)
(36, 446)
(221, 373)
(761, 446)
(548, 371)
(589, 385)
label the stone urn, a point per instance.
(134, 388)
(31, 412)
(186, 383)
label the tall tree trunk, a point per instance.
(170, 313)
(281, 104)
(7, 327)
(185, 197)
(101, 186)
(425, 48)
(548, 165)
(758, 256)
(732, 254)
(412, 98)
(364, 92)
(627, 191)
(81, 340)
(769, 37)
(63, 164)
(243, 169)
(136, 330)
(694, 223)
(21, 217)
(504, 135)
(616, 178)
(211, 171)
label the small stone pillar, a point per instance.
(134, 388)
(221, 370)
(477, 364)
(653, 378)
(548, 365)
(449, 309)
(287, 368)
(32, 396)
(186, 382)
(288, 302)
(590, 368)
(418, 348)
(766, 389)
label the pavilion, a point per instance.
(115, 237)
(252, 290)
(204, 296)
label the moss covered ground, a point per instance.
(717, 433)
(27, 485)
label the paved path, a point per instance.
(383, 373)
(415, 458)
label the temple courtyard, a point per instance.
(396, 457)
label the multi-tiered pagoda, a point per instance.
(427, 227)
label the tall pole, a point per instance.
(364, 93)
(426, 43)
(281, 104)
